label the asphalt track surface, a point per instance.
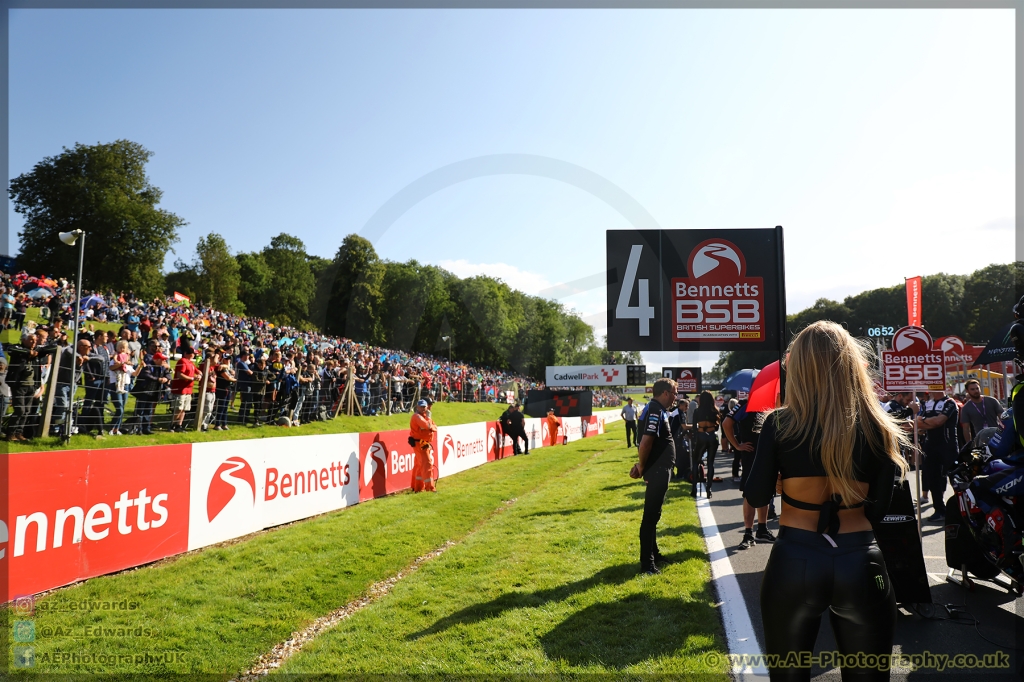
(998, 612)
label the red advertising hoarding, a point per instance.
(386, 463)
(83, 513)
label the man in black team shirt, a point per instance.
(657, 455)
(938, 417)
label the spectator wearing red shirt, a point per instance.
(185, 373)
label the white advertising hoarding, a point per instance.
(239, 487)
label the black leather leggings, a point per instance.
(804, 577)
(705, 442)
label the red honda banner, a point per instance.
(914, 302)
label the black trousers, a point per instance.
(145, 405)
(657, 487)
(631, 429)
(516, 435)
(92, 409)
(805, 577)
(705, 443)
(933, 478)
(21, 400)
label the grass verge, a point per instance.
(549, 587)
(221, 607)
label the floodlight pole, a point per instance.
(68, 425)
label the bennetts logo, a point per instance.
(912, 340)
(447, 448)
(234, 476)
(715, 254)
(375, 460)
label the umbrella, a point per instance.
(41, 292)
(764, 390)
(92, 299)
(739, 380)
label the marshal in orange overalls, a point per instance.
(422, 430)
(553, 425)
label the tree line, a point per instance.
(973, 307)
(104, 190)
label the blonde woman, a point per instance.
(838, 454)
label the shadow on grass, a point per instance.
(685, 529)
(619, 486)
(612, 575)
(559, 512)
(623, 633)
(627, 508)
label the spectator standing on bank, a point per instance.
(153, 377)
(224, 383)
(628, 414)
(94, 373)
(23, 377)
(185, 375)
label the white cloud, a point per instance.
(527, 282)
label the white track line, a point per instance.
(739, 631)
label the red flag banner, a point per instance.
(914, 302)
(181, 298)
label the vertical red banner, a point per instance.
(914, 302)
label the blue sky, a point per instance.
(883, 140)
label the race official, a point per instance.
(421, 432)
(938, 418)
(628, 415)
(656, 456)
(553, 425)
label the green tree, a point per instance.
(101, 189)
(989, 295)
(213, 277)
(255, 280)
(354, 260)
(292, 285)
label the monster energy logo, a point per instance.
(880, 581)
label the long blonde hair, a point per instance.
(829, 395)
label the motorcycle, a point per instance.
(984, 523)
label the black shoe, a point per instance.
(659, 558)
(693, 492)
(772, 515)
(938, 515)
(649, 570)
(748, 540)
(764, 535)
(709, 494)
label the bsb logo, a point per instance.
(233, 477)
(912, 364)
(717, 301)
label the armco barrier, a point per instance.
(83, 513)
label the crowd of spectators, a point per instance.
(156, 352)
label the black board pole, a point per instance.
(781, 257)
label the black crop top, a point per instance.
(793, 461)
